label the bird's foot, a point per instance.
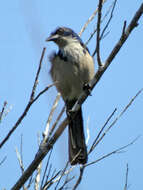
(87, 89)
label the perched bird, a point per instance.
(72, 68)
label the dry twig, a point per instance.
(31, 101)
(1, 162)
(98, 33)
(44, 175)
(46, 132)
(126, 180)
(90, 19)
(2, 111)
(98, 139)
(94, 142)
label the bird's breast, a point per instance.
(72, 73)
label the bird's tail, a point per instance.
(77, 146)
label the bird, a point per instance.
(72, 68)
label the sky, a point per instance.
(24, 27)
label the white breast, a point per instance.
(71, 75)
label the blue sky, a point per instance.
(24, 27)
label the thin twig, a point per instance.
(30, 181)
(42, 92)
(20, 163)
(55, 104)
(47, 164)
(106, 26)
(125, 109)
(19, 160)
(90, 19)
(48, 184)
(109, 21)
(56, 122)
(126, 180)
(37, 177)
(21, 149)
(62, 174)
(38, 172)
(79, 178)
(39, 156)
(49, 173)
(53, 180)
(37, 76)
(2, 111)
(1, 162)
(119, 150)
(123, 30)
(65, 173)
(94, 142)
(118, 117)
(31, 101)
(98, 33)
(67, 180)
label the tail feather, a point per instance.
(77, 146)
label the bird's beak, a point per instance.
(52, 38)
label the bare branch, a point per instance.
(19, 157)
(48, 184)
(37, 177)
(42, 92)
(107, 25)
(37, 76)
(97, 139)
(62, 174)
(133, 24)
(2, 111)
(119, 150)
(21, 149)
(38, 173)
(67, 180)
(98, 33)
(116, 119)
(90, 19)
(126, 180)
(57, 120)
(110, 58)
(112, 7)
(1, 162)
(55, 104)
(47, 164)
(108, 119)
(31, 101)
(20, 160)
(65, 173)
(125, 109)
(124, 28)
(40, 156)
(79, 178)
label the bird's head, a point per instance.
(63, 36)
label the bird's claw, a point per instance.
(87, 89)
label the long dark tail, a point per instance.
(77, 146)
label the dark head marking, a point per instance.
(64, 31)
